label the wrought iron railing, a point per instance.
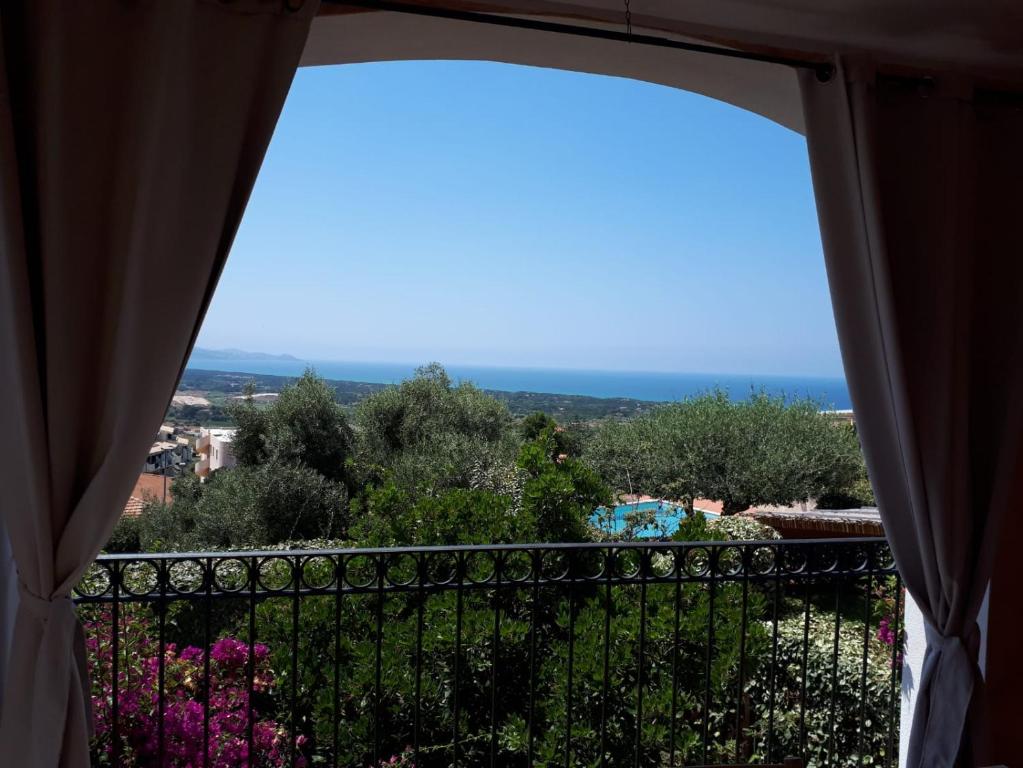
(556, 654)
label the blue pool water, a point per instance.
(660, 518)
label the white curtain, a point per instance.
(130, 136)
(919, 188)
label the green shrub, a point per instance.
(248, 507)
(125, 536)
(857, 494)
(858, 704)
(390, 624)
(738, 528)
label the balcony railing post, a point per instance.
(162, 663)
(457, 684)
(252, 568)
(207, 642)
(495, 657)
(834, 672)
(421, 577)
(774, 651)
(740, 688)
(712, 565)
(536, 563)
(644, 570)
(803, 667)
(610, 563)
(866, 662)
(675, 644)
(297, 572)
(115, 687)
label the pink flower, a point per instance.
(186, 715)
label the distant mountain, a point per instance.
(237, 354)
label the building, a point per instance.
(169, 453)
(162, 457)
(148, 488)
(259, 397)
(841, 416)
(214, 449)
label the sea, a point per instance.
(830, 392)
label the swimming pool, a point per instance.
(655, 519)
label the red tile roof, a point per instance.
(134, 507)
(148, 488)
(150, 485)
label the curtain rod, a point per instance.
(823, 69)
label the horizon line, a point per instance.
(264, 357)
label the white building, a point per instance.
(167, 454)
(214, 449)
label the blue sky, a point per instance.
(490, 214)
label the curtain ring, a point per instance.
(824, 72)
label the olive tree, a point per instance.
(762, 450)
(428, 435)
(304, 427)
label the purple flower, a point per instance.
(185, 699)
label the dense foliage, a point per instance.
(427, 435)
(304, 427)
(762, 450)
(246, 507)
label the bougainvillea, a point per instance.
(885, 593)
(186, 696)
(406, 759)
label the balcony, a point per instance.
(645, 654)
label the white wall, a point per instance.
(913, 662)
(220, 453)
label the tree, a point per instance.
(551, 498)
(762, 450)
(559, 492)
(533, 425)
(305, 427)
(249, 442)
(248, 507)
(389, 517)
(428, 435)
(569, 440)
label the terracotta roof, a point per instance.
(709, 505)
(147, 488)
(134, 507)
(151, 486)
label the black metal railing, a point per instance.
(558, 654)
